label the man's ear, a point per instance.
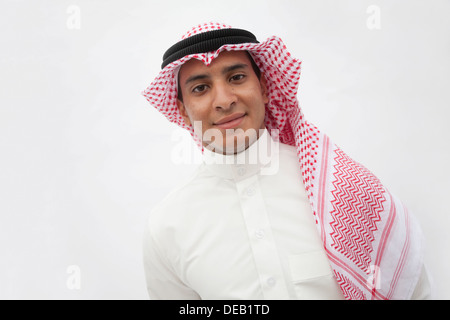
(263, 83)
(183, 112)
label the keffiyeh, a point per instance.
(373, 244)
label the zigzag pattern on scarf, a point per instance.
(357, 204)
(348, 288)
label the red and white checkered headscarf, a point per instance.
(373, 244)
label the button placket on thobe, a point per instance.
(262, 242)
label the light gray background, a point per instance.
(84, 157)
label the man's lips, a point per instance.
(230, 121)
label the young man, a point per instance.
(276, 210)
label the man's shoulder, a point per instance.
(181, 196)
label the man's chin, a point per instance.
(233, 144)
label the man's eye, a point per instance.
(199, 88)
(237, 77)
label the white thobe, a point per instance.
(240, 228)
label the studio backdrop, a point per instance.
(84, 157)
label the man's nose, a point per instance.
(225, 96)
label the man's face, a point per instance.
(226, 98)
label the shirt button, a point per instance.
(250, 192)
(271, 282)
(259, 234)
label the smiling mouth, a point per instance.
(232, 123)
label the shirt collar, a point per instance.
(260, 154)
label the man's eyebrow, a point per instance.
(234, 67)
(225, 70)
(195, 78)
